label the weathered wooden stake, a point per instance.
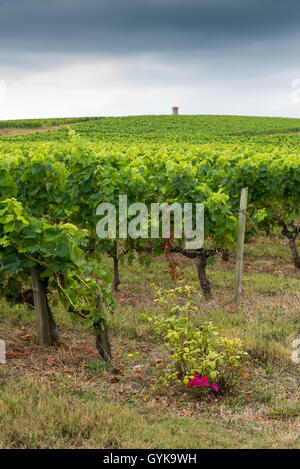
(240, 244)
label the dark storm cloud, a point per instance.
(133, 26)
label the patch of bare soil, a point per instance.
(6, 132)
(25, 356)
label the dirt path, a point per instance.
(6, 132)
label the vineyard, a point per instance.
(138, 342)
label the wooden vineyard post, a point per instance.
(240, 244)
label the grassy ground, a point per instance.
(64, 397)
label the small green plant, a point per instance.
(198, 350)
(97, 367)
(183, 298)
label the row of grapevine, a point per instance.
(49, 195)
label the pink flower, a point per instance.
(204, 380)
(198, 382)
(195, 382)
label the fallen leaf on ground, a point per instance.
(26, 337)
(114, 379)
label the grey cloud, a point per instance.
(211, 56)
(131, 26)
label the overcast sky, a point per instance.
(125, 57)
